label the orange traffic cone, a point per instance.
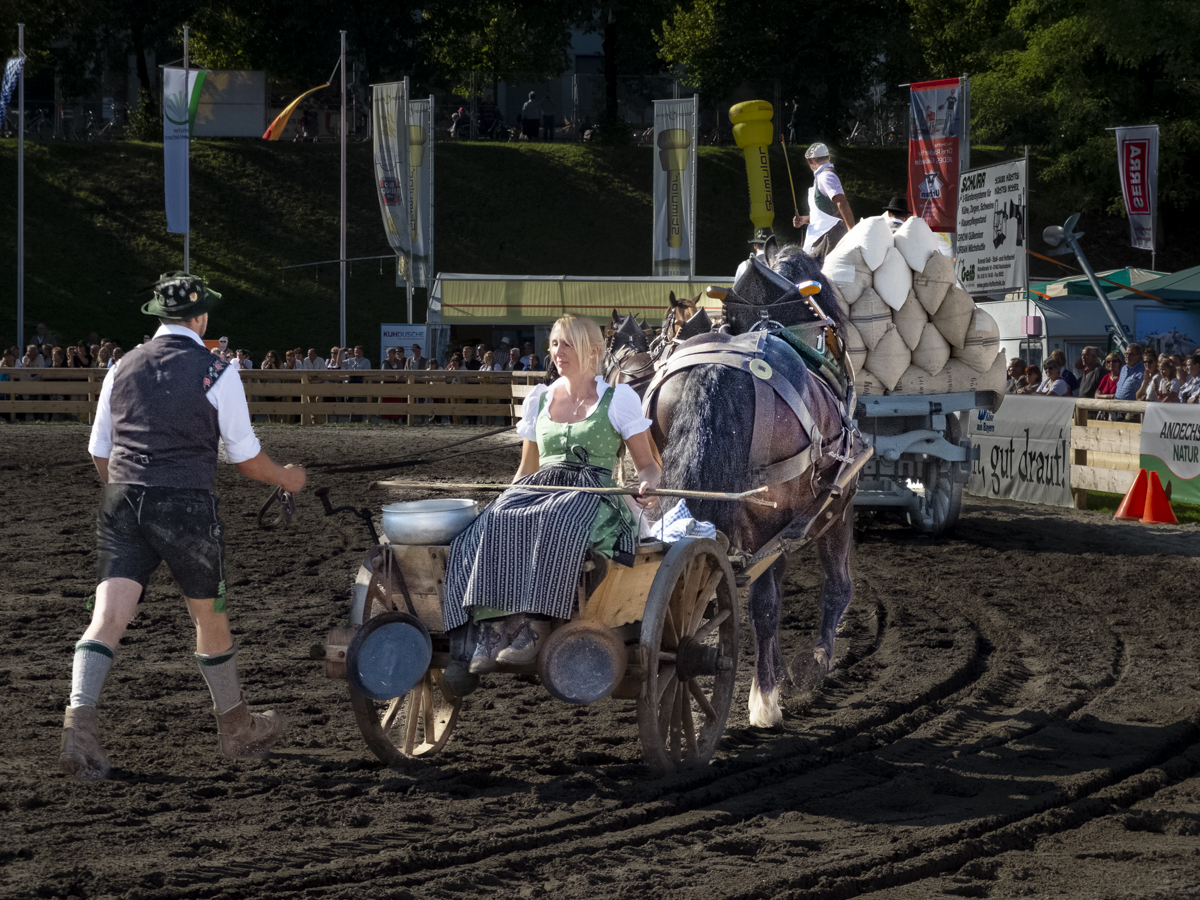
(1158, 507)
(1134, 504)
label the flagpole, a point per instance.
(342, 253)
(187, 162)
(21, 191)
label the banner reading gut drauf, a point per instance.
(936, 143)
(675, 186)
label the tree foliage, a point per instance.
(827, 55)
(1056, 73)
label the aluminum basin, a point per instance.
(428, 521)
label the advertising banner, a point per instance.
(1024, 450)
(937, 141)
(1137, 157)
(675, 186)
(389, 108)
(993, 203)
(420, 189)
(181, 95)
(1171, 447)
(402, 336)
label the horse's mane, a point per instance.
(703, 454)
(795, 265)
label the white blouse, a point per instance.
(624, 412)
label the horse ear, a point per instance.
(770, 251)
(615, 317)
(674, 302)
(695, 301)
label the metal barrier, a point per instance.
(310, 397)
(1105, 454)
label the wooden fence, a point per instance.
(1105, 454)
(307, 397)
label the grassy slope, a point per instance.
(95, 226)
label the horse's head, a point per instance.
(627, 352)
(796, 266)
(679, 312)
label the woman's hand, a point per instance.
(649, 479)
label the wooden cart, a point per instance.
(662, 632)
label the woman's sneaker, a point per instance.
(491, 641)
(527, 643)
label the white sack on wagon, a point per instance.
(916, 242)
(888, 359)
(981, 343)
(893, 279)
(872, 317)
(910, 320)
(932, 283)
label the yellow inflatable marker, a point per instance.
(753, 133)
(674, 146)
(416, 156)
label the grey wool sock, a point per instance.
(93, 659)
(220, 673)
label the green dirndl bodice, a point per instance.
(593, 442)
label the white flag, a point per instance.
(389, 108)
(179, 117)
(675, 187)
(420, 189)
(1137, 157)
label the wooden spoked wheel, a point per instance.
(689, 647)
(418, 724)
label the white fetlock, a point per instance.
(765, 710)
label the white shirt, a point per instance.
(227, 396)
(826, 181)
(624, 412)
(311, 364)
(1057, 386)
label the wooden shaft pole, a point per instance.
(787, 163)
(747, 496)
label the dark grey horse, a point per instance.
(704, 420)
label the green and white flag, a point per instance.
(180, 99)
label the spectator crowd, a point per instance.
(1137, 374)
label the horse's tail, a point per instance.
(708, 448)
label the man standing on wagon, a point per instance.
(829, 216)
(154, 443)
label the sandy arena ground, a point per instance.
(1016, 714)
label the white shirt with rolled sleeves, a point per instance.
(227, 396)
(624, 412)
(826, 181)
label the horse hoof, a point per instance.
(808, 672)
(765, 711)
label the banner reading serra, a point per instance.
(675, 186)
(937, 140)
(1171, 447)
(389, 108)
(1137, 156)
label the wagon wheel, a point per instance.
(944, 496)
(689, 646)
(417, 724)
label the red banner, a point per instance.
(934, 147)
(1134, 155)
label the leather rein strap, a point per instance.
(746, 352)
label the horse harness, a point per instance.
(747, 352)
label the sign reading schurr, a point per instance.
(1024, 450)
(1171, 447)
(992, 215)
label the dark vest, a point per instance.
(164, 430)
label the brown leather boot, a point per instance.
(247, 735)
(81, 756)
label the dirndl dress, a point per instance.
(525, 552)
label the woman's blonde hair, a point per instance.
(584, 335)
